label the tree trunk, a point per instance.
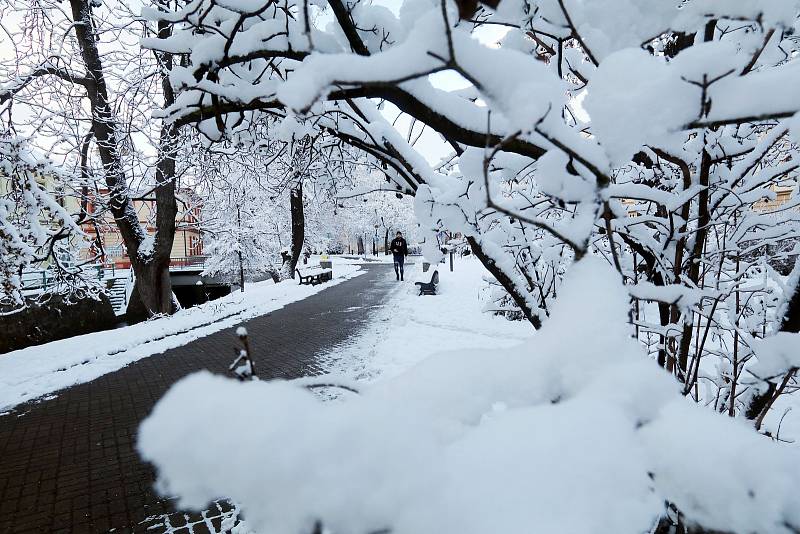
(791, 321)
(103, 126)
(298, 225)
(386, 243)
(153, 284)
(241, 271)
(694, 260)
(166, 206)
(506, 282)
(360, 246)
(152, 267)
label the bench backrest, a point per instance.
(310, 271)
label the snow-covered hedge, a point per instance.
(576, 432)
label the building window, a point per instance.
(114, 251)
(195, 246)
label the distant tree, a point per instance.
(243, 229)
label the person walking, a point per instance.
(399, 249)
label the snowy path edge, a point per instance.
(42, 370)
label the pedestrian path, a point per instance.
(68, 464)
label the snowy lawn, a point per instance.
(37, 371)
(409, 328)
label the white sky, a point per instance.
(430, 145)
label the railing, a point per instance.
(40, 279)
(44, 279)
(187, 262)
(130, 282)
(103, 269)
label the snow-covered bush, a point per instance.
(647, 133)
(586, 435)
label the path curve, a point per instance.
(68, 464)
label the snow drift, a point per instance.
(575, 432)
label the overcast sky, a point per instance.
(429, 144)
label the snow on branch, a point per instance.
(657, 136)
(32, 222)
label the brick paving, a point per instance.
(68, 464)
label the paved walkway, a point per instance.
(68, 464)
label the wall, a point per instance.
(55, 319)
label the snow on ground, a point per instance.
(476, 440)
(409, 327)
(356, 259)
(33, 372)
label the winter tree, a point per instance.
(242, 233)
(75, 78)
(373, 213)
(608, 163)
(295, 167)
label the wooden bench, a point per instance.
(429, 288)
(314, 276)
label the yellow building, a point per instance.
(186, 248)
(782, 195)
(50, 184)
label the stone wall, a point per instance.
(54, 319)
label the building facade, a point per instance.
(107, 244)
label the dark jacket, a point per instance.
(399, 247)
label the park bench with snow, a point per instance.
(314, 275)
(429, 288)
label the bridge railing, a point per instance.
(44, 279)
(187, 262)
